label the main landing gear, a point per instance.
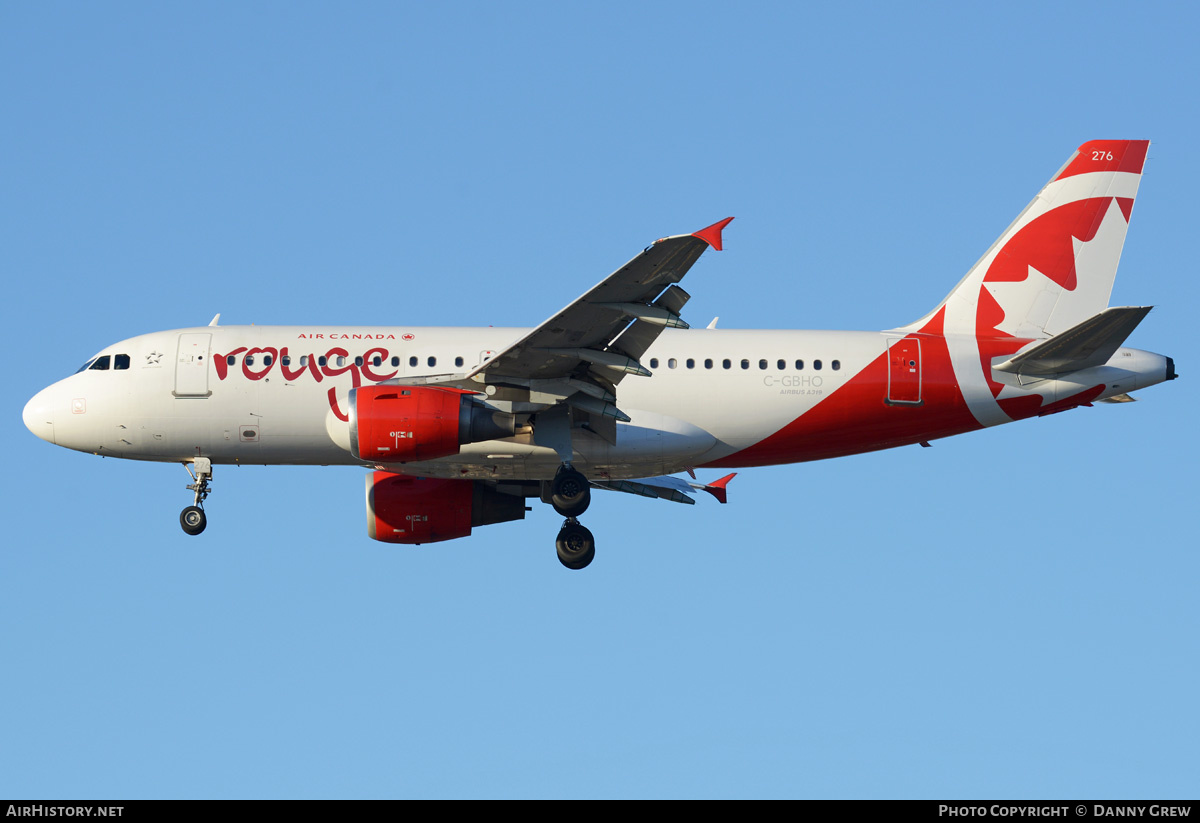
(192, 519)
(575, 544)
(570, 495)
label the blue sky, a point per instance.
(1008, 614)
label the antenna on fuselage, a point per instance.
(216, 317)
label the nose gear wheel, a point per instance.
(192, 519)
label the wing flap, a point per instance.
(667, 487)
(640, 334)
(644, 489)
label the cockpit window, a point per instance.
(117, 362)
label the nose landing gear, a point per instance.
(192, 519)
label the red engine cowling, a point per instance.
(403, 509)
(399, 424)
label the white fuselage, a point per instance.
(277, 395)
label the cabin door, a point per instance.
(191, 365)
(904, 372)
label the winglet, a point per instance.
(712, 234)
(717, 489)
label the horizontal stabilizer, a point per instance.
(1090, 343)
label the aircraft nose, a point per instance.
(39, 417)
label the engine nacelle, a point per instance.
(403, 509)
(399, 424)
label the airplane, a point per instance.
(459, 427)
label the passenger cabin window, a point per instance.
(458, 361)
(835, 365)
(304, 360)
(395, 362)
(376, 361)
(691, 364)
(249, 360)
(799, 365)
(412, 361)
(432, 361)
(285, 360)
(341, 361)
(672, 363)
(267, 360)
(780, 364)
(745, 364)
(654, 362)
(726, 363)
(762, 364)
(322, 360)
(708, 363)
(817, 365)
(358, 361)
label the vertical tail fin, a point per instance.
(1054, 266)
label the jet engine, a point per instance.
(403, 509)
(399, 424)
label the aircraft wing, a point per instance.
(604, 332)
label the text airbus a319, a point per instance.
(461, 426)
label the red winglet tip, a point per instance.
(717, 488)
(712, 234)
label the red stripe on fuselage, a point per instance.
(992, 341)
(1020, 408)
(856, 417)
